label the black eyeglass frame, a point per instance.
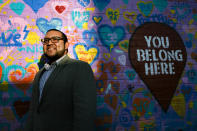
(54, 39)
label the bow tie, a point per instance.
(47, 66)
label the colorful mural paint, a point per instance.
(99, 32)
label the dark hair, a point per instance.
(63, 35)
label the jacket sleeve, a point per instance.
(84, 99)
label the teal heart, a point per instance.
(17, 7)
(160, 4)
(79, 18)
(130, 74)
(126, 1)
(145, 7)
(195, 17)
(111, 36)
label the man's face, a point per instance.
(54, 50)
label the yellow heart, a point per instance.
(84, 55)
(130, 16)
(97, 19)
(106, 56)
(113, 15)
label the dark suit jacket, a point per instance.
(68, 100)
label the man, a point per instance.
(64, 90)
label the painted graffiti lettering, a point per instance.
(31, 49)
(160, 57)
(155, 18)
(6, 40)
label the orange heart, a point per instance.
(141, 105)
(111, 100)
(24, 83)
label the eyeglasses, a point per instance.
(53, 40)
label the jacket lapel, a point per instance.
(53, 75)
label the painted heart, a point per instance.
(84, 3)
(22, 79)
(90, 37)
(110, 36)
(115, 85)
(80, 18)
(195, 17)
(130, 16)
(140, 105)
(130, 27)
(85, 53)
(122, 59)
(113, 68)
(124, 45)
(60, 9)
(35, 4)
(145, 8)
(130, 74)
(17, 7)
(178, 104)
(160, 4)
(97, 19)
(101, 4)
(113, 15)
(187, 91)
(106, 56)
(44, 25)
(111, 100)
(126, 1)
(21, 108)
(1, 71)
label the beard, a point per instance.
(56, 56)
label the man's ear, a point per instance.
(66, 45)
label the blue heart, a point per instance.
(187, 91)
(17, 7)
(90, 37)
(101, 4)
(79, 18)
(160, 4)
(145, 8)
(44, 25)
(110, 36)
(35, 4)
(84, 3)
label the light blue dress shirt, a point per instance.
(48, 70)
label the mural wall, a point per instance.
(99, 32)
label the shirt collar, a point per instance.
(47, 66)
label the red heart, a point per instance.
(1, 70)
(21, 107)
(60, 9)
